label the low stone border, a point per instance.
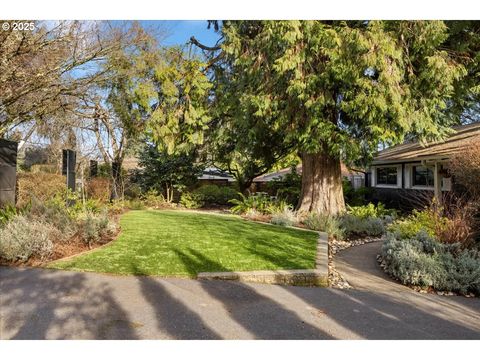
(342, 245)
(301, 277)
(280, 277)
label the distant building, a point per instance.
(213, 175)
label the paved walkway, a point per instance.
(360, 268)
(51, 304)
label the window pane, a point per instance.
(422, 176)
(387, 175)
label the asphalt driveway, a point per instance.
(53, 304)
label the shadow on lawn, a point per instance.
(46, 306)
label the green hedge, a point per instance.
(215, 195)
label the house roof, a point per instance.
(213, 173)
(463, 136)
(277, 174)
(281, 173)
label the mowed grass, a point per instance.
(183, 243)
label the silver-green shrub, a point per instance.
(408, 261)
(23, 238)
(56, 214)
(287, 217)
(423, 261)
(357, 225)
(92, 227)
(325, 223)
(463, 273)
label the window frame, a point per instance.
(387, 185)
(413, 176)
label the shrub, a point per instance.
(98, 188)
(68, 220)
(55, 213)
(427, 220)
(258, 202)
(7, 214)
(276, 206)
(371, 226)
(286, 217)
(93, 227)
(463, 221)
(215, 195)
(413, 261)
(79, 206)
(134, 204)
(23, 238)
(154, 200)
(41, 186)
(354, 196)
(192, 200)
(424, 262)
(325, 223)
(370, 210)
(454, 222)
(463, 274)
(116, 207)
(466, 167)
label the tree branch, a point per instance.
(204, 47)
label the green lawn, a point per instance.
(185, 243)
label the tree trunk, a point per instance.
(244, 185)
(321, 184)
(117, 190)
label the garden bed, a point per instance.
(48, 231)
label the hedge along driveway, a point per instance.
(183, 243)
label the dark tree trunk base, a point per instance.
(322, 190)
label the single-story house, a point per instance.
(213, 175)
(399, 170)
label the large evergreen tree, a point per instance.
(335, 89)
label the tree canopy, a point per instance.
(334, 90)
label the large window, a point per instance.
(422, 176)
(387, 175)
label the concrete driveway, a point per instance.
(51, 304)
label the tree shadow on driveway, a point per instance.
(396, 310)
(380, 316)
(172, 316)
(259, 315)
(49, 304)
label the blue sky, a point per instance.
(178, 32)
